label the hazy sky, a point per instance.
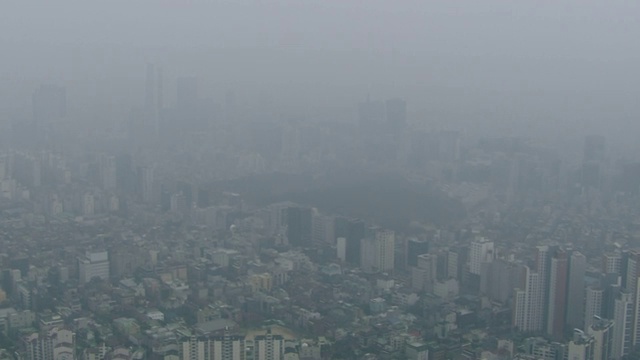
(575, 60)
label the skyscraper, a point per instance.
(557, 307)
(415, 248)
(386, 246)
(528, 312)
(353, 231)
(623, 325)
(299, 225)
(377, 252)
(423, 276)
(593, 305)
(481, 251)
(611, 263)
(575, 290)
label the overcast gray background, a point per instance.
(544, 68)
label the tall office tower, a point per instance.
(268, 347)
(594, 297)
(612, 286)
(54, 344)
(575, 290)
(416, 248)
(594, 148)
(581, 347)
(612, 263)
(424, 276)
(49, 104)
(631, 282)
(93, 265)
(396, 114)
(322, 231)
(355, 232)
(543, 268)
(527, 311)
(557, 302)
(299, 225)
(480, 251)
(386, 253)
(228, 347)
(623, 325)
(602, 332)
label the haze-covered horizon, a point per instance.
(526, 68)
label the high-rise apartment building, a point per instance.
(386, 249)
(623, 325)
(268, 347)
(602, 332)
(527, 308)
(377, 252)
(594, 296)
(480, 251)
(225, 347)
(611, 263)
(581, 347)
(228, 347)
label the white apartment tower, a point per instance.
(268, 347)
(527, 312)
(481, 251)
(623, 325)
